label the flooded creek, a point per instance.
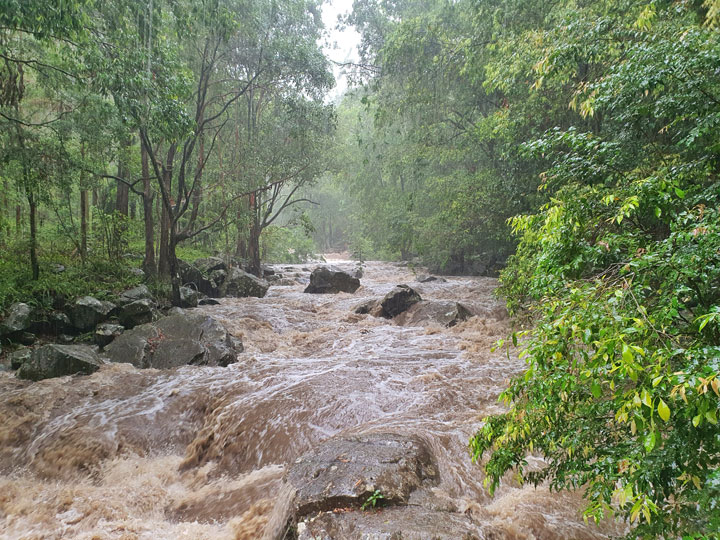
(202, 452)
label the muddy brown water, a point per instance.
(200, 453)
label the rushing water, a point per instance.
(200, 453)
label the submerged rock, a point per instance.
(346, 471)
(398, 300)
(330, 280)
(239, 283)
(59, 360)
(176, 340)
(424, 313)
(424, 278)
(87, 312)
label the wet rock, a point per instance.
(138, 312)
(424, 278)
(18, 319)
(141, 292)
(176, 340)
(19, 357)
(105, 333)
(272, 278)
(286, 282)
(329, 280)
(189, 297)
(241, 284)
(366, 307)
(59, 360)
(175, 310)
(400, 523)
(206, 265)
(434, 312)
(358, 273)
(345, 471)
(65, 338)
(208, 302)
(26, 338)
(398, 300)
(58, 323)
(267, 270)
(87, 312)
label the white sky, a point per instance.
(340, 45)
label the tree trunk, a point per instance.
(83, 223)
(18, 220)
(254, 243)
(122, 199)
(148, 265)
(35, 267)
(164, 264)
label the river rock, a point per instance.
(397, 523)
(424, 278)
(330, 280)
(267, 270)
(105, 333)
(209, 264)
(208, 302)
(59, 360)
(176, 340)
(345, 471)
(19, 357)
(18, 319)
(398, 300)
(426, 312)
(86, 312)
(138, 312)
(189, 297)
(241, 284)
(141, 292)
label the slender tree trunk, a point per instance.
(35, 267)
(18, 220)
(122, 199)
(164, 263)
(149, 262)
(254, 243)
(83, 223)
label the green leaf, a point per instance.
(596, 389)
(663, 410)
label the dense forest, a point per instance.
(572, 148)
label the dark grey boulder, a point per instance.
(426, 313)
(87, 312)
(369, 306)
(330, 280)
(59, 360)
(398, 300)
(19, 318)
(209, 264)
(26, 338)
(395, 523)
(267, 270)
(189, 297)
(105, 333)
(140, 292)
(138, 312)
(345, 471)
(19, 357)
(204, 275)
(208, 302)
(241, 284)
(176, 340)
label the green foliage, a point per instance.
(290, 245)
(618, 274)
(373, 500)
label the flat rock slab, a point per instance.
(429, 312)
(345, 471)
(397, 523)
(59, 360)
(174, 341)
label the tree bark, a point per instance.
(164, 265)
(149, 266)
(83, 223)
(34, 266)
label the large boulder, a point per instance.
(18, 319)
(241, 284)
(330, 279)
(396, 523)
(426, 313)
(19, 357)
(398, 300)
(141, 292)
(87, 312)
(176, 340)
(135, 313)
(59, 360)
(205, 275)
(189, 297)
(346, 471)
(207, 265)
